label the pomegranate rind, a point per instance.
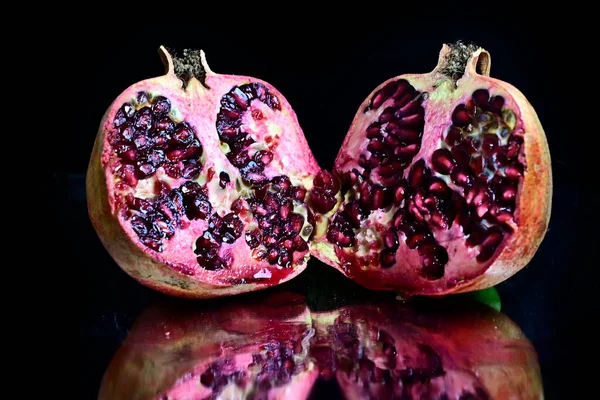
(184, 277)
(534, 201)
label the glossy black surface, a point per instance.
(325, 80)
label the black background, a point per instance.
(325, 73)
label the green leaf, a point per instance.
(488, 296)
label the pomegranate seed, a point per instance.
(143, 119)
(513, 147)
(173, 170)
(161, 105)
(387, 258)
(281, 184)
(321, 202)
(239, 158)
(142, 98)
(145, 170)
(159, 139)
(387, 115)
(489, 145)
(285, 210)
(454, 136)
(439, 220)
(392, 141)
(496, 104)
(139, 225)
(337, 237)
(223, 179)
(284, 259)
(378, 99)
(509, 194)
(240, 98)
(408, 109)
(414, 120)
(191, 169)
(406, 135)
(477, 164)
(272, 256)
(127, 131)
(481, 97)
(513, 171)
(183, 134)
(296, 222)
(353, 214)
(433, 257)
(461, 176)
(152, 243)
(392, 169)
(442, 161)
(380, 197)
(418, 175)
(155, 157)
(273, 102)
(141, 141)
(299, 244)
(460, 116)
(299, 193)
(390, 239)
(164, 123)
(399, 194)
(233, 225)
(197, 206)
(363, 162)
(418, 239)
(263, 157)
(253, 238)
(373, 130)
(401, 101)
(407, 152)
(438, 188)
(121, 115)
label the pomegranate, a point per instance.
(275, 348)
(444, 182)
(197, 181)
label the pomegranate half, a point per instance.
(197, 181)
(445, 182)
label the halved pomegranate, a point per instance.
(445, 182)
(197, 181)
(273, 347)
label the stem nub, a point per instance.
(188, 66)
(459, 58)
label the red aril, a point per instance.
(197, 181)
(445, 179)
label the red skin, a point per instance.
(534, 201)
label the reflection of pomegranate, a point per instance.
(446, 182)
(275, 348)
(238, 351)
(196, 184)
